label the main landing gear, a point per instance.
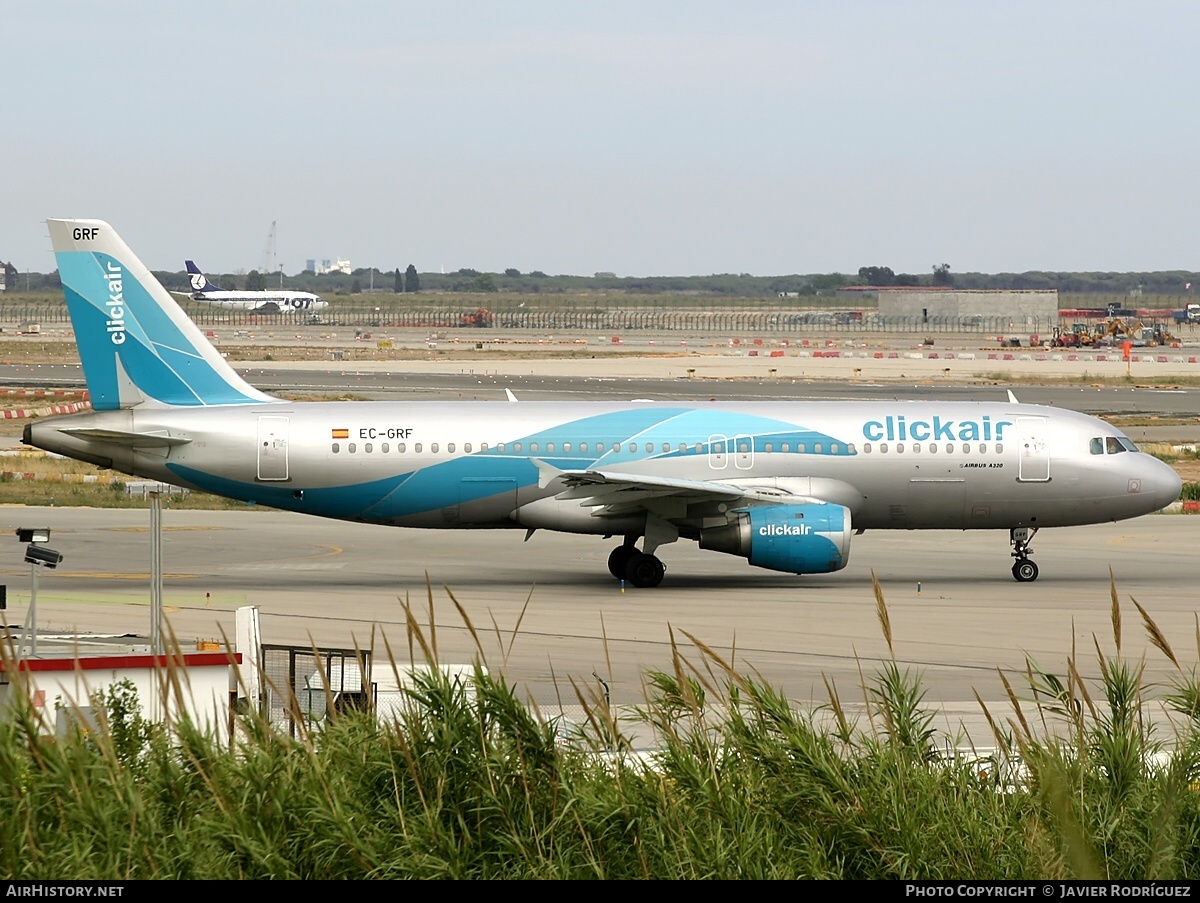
(642, 570)
(1024, 570)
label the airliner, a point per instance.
(263, 302)
(784, 485)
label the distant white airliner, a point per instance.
(783, 484)
(264, 302)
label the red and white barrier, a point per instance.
(23, 413)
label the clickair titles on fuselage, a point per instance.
(898, 428)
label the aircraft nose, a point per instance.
(1166, 484)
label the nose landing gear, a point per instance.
(1023, 570)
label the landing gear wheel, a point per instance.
(1025, 571)
(618, 560)
(645, 571)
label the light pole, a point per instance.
(156, 609)
(37, 556)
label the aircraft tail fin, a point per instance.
(135, 342)
(199, 282)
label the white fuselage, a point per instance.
(898, 465)
(269, 300)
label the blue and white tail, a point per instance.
(136, 344)
(198, 280)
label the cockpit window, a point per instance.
(1129, 446)
(1113, 445)
(1096, 445)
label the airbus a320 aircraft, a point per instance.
(267, 301)
(782, 484)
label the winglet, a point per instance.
(1012, 398)
(510, 395)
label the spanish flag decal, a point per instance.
(341, 434)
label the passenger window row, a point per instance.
(915, 448)
(600, 448)
(1111, 445)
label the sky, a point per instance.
(644, 138)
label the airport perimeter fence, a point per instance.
(26, 318)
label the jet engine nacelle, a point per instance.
(798, 539)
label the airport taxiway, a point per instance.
(547, 612)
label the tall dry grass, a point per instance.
(466, 781)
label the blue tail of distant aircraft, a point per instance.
(136, 345)
(199, 282)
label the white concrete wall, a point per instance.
(1025, 307)
(198, 689)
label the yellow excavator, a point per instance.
(1119, 330)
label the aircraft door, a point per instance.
(717, 452)
(1033, 462)
(743, 451)
(273, 448)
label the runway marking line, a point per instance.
(106, 576)
(165, 529)
(174, 602)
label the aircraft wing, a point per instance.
(622, 493)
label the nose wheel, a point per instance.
(1023, 569)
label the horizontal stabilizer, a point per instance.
(129, 440)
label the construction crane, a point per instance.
(269, 261)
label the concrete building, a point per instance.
(1022, 307)
(62, 686)
(341, 265)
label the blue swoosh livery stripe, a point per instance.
(466, 478)
(112, 326)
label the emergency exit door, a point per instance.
(272, 448)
